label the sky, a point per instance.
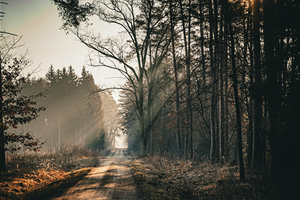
(38, 22)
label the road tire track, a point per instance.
(112, 179)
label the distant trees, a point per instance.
(74, 111)
(110, 119)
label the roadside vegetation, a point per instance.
(36, 175)
(163, 178)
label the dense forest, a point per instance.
(74, 114)
(206, 79)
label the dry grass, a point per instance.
(28, 172)
(162, 178)
(47, 158)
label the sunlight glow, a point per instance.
(121, 142)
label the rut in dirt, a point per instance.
(112, 179)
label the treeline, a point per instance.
(206, 79)
(74, 111)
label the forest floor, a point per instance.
(32, 175)
(162, 178)
(120, 176)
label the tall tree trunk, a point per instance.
(250, 107)
(226, 69)
(237, 102)
(188, 72)
(257, 161)
(176, 83)
(75, 125)
(216, 79)
(84, 125)
(52, 136)
(150, 99)
(141, 113)
(59, 131)
(151, 135)
(213, 151)
(202, 45)
(2, 142)
(221, 88)
(273, 99)
(186, 38)
(149, 108)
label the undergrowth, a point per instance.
(163, 178)
(32, 175)
(147, 184)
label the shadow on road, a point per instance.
(112, 179)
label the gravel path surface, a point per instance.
(112, 179)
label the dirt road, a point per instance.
(110, 180)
